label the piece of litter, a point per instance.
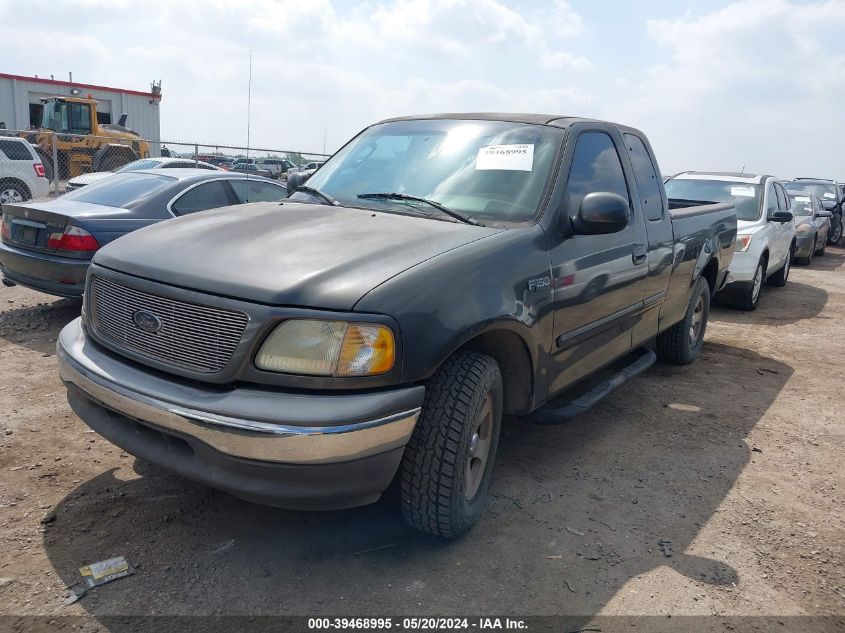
(762, 370)
(554, 557)
(571, 531)
(684, 407)
(76, 592)
(223, 547)
(104, 571)
(756, 450)
(665, 547)
(568, 586)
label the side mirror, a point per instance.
(830, 205)
(296, 180)
(781, 216)
(601, 213)
(824, 213)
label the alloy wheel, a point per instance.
(10, 196)
(480, 440)
(697, 322)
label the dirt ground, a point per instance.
(733, 465)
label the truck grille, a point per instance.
(185, 335)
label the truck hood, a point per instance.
(291, 254)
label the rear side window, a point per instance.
(595, 167)
(121, 190)
(209, 195)
(648, 182)
(16, 150)
(257, 191)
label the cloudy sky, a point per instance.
(715, 84)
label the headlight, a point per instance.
(328, 348)
(742, 243)
(803, 229)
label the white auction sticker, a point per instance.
(802, 198)
(506, 157)
(830, 195)
(743, 192)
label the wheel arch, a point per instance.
(13, 180)
(502, 341)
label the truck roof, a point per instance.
(556, 120)
(727, 176)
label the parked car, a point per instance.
(276, 166)
(388, 318)
(48, 245)
(765, 233)
(136, 165)
(21, 172)
(832, 197)
(251, 168)
(313, 165)
(812, 226)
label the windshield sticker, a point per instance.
(743, 192)
(829, 195)
(801, 198)
(506, 157)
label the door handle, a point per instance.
(639, 254)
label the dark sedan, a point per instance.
(832, 197)
(49, 245)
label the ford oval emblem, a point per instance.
(146, 321)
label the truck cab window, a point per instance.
(80, 118)
(595, 167)
(648, 182)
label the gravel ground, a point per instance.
(710, 489)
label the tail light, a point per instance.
(6, 229)
(39, 169)
(73, 239)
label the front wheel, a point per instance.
(446, 470)
(780, 278)
(835, 232)
(682, 342)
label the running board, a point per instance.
(559, 415)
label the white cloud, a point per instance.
(562, 59)
(755, 83)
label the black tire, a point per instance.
(823, 248)
(806, 261)
(435, 474)
(681, 344)
(13, 191)
(780, 278)
(835, 233)
(747, 299)
(112, 161)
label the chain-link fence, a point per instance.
(39, 163)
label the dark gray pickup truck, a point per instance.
(436, 273)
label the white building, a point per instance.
(20, 103)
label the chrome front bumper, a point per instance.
(252, 424)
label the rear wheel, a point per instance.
(682, 342)
(12, 192)
(446, 470)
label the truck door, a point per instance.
(598, 280)
(661, 239)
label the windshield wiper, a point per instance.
(404, 196)
(316, 192)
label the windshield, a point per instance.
(121, 190)
(746, 198)
(801, 205)
(143, 163)
(825, 192)
(491, 170)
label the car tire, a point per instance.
(681, 344)
(749, 298)
(13, 192)
(780, 278)
(834, 235)
(806, 261)
(823, 249)
(446, 469)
